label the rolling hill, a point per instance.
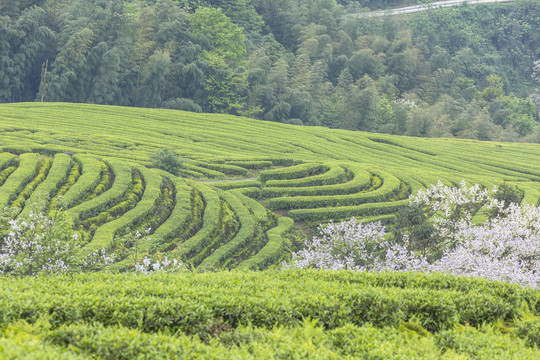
(244, 183)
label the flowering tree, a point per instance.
(505, 247)
(451, 208)
(349, 245)
(98, 260)
(38, 243)
(149, 267)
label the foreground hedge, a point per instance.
(265, 315)
(195, 303)
(306, 341)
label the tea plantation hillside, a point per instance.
(244, 184)
(267, 315)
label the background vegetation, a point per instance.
(456, 72)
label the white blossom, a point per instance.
(147, 267)
(505, 248)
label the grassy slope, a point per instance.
(134, 134)
(310, 174)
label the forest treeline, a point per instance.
(457, 72)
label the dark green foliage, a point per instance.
(167, 159)
(453, 72)
(413, 221)
(509, 194)
(182, 104)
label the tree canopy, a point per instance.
(454, 72)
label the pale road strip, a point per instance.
(419, 8)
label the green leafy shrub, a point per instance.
(167, 159)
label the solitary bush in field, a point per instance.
(166, 159)
(182, 104)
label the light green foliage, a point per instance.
(121, 186)
(50, 185)
(140, 206)
(15, 183)
(273, 249)
(210, 222)
(226, 38)
(240, 240)
(254, 315)
(309, 175)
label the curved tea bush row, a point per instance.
(122, 183)
(227, 169)
(7, 160)
(259, 212)
(532, 193)
(126, 203)
(91, 170)
(167, 232)
(229, 185)
(273, 249)
(104, 182)
(104, 235)
(292, 172)
(254, 192)
(334, 175)
(4, 174)
(360, 181)
(210, 223)
(56, 177)
(390, 186)
(250, 164)
(72, 177)
(15, 183)
(181, 213)
(191, 173)
(190, 167)
(43, 170)
(342, 212)
(240, 240)
(376, 211)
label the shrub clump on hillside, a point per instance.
(505, 247)
(167, 159)
(182, 104)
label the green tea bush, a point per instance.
(273, 249)
(335, 174)
(292, 172)
(47, 189)
(122, 181)
(240, 240)
(104, 235)
(211, 221)
(15, 183)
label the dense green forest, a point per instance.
(457, 72)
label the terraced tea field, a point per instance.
(244, 183)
